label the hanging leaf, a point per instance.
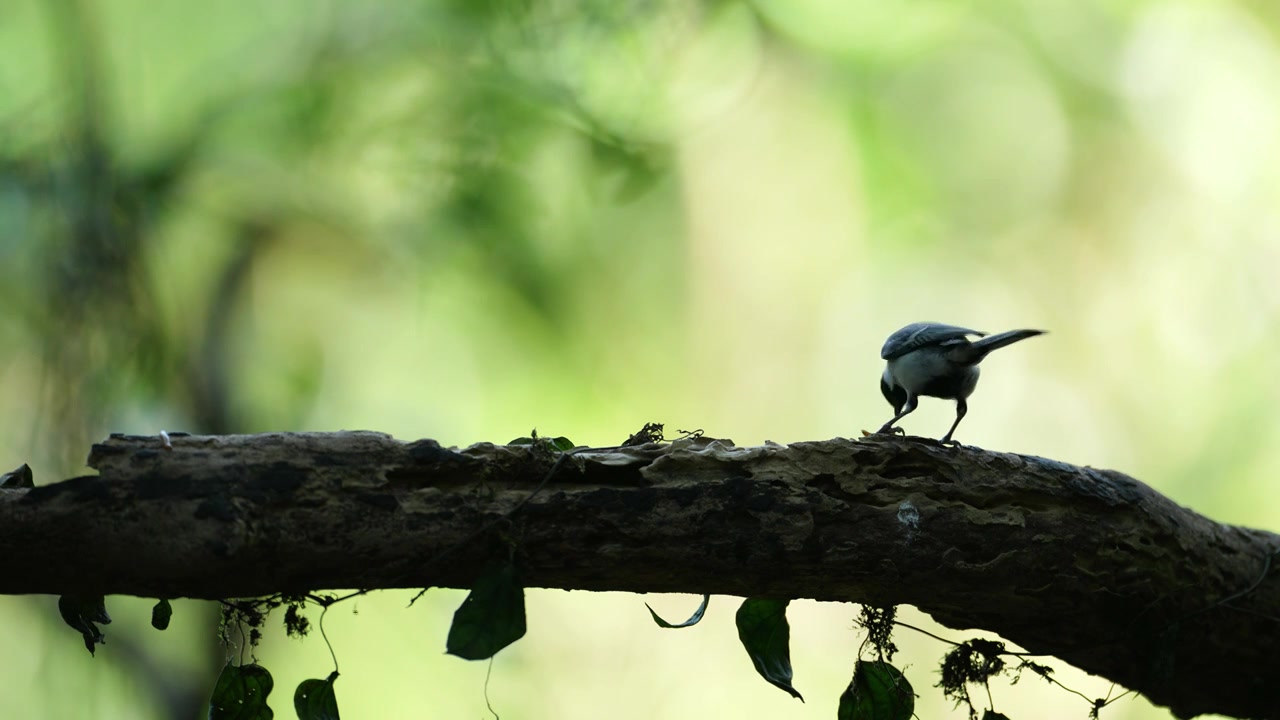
(81, 612)
(693, 619)
(241, 694)
(878, 691)
(763, 630)
(491, 618)
(160, 614)
(314, 699)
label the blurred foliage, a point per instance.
(462, 219)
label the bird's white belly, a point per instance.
(930, 373)
(913, 371)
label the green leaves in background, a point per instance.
(314, 699)
(878, 691)
(491, 618)
(81, 612)
(637, 168)
(241, 694)
(763, 630)
(160, 614)
(693, 619)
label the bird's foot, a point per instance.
(946, 440)
(890, 430)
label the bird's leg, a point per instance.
(961, 408)
(907, 409)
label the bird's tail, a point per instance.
(981, 348)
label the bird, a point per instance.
(939, 361)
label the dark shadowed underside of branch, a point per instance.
(1087, 565)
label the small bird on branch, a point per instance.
(939, 361)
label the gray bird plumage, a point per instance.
(938, 361)
(918, 335)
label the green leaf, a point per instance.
(20, 477)
(763, 630)
(491, 618)
(241, 694)
(563, 444)
(160, 614)
(693, 619)
(878, 691)
(81, 612)
(314, 699)
(993, 715)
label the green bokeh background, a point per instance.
(462, 220)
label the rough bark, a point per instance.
(1088, 565)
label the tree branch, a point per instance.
(1087, 565)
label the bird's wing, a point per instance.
(918, 335)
